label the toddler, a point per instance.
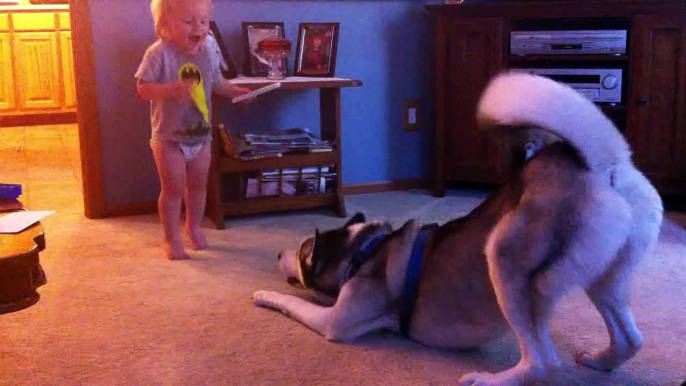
(178, 75)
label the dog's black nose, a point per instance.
(279, 256)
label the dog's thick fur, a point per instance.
(576, 213)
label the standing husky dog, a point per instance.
(575, 212)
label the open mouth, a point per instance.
(195, 39)
(293, 281)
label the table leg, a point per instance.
(330, 119)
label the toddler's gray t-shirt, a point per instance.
(172, 120)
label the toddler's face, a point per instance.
(189, 25)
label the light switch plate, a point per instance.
(411, 115)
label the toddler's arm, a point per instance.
(178, 90)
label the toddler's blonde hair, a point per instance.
(163, 9)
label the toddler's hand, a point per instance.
(181, 91)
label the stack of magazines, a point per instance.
(250, 146)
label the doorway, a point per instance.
(39, 137)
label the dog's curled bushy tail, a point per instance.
(518, 100)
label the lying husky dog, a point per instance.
(575, 212)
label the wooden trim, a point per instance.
(330, 126)
(348, 189)
(213, 203)
(227, 164)
(130, 209)
(257, 205)
(34, 22)
(441, 46)
(386, 186)
(57, 118)
(87, 111)
(60, 60)
(49, 1)
(568, 8)
(33, 8)
(14, 58)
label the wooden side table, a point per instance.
(330, 120)
(20, 269)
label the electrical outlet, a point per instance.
(411, 115)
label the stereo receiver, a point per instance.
(597, 84)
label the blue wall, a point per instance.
(387, 44)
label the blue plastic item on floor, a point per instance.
(10, 191)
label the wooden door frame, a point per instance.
(87, 110)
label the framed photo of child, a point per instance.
(253, 33)
(316, 51)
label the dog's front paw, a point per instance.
(478, 379)
(594, 361)
(270, 299)
(263, 298)
(516, 376)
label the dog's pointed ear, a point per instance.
(356, 219)
(310, 259)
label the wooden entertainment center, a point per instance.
(472, 42)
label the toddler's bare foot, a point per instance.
(198, 241)
(175, 252)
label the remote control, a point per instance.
(257, 92)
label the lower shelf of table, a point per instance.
(227, 164)
(268, 204)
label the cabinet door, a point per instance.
(6, 74)
(475, 55)
(37, 70)
(68, 69)
(657, 105)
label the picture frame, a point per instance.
(316, 49)
(253, 33)
(216, 44)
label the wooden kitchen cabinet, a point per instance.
(37, 68)
(68, 69)
(6, 73)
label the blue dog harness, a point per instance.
(412, 280)
(365, 253)
(411, 277)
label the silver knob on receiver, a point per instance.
(610, 82)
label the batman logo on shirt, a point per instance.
(189, 72)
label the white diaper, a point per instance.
(190, 150)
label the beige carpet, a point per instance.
(115, 312)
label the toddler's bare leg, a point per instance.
(197, 170)
(171, 167)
